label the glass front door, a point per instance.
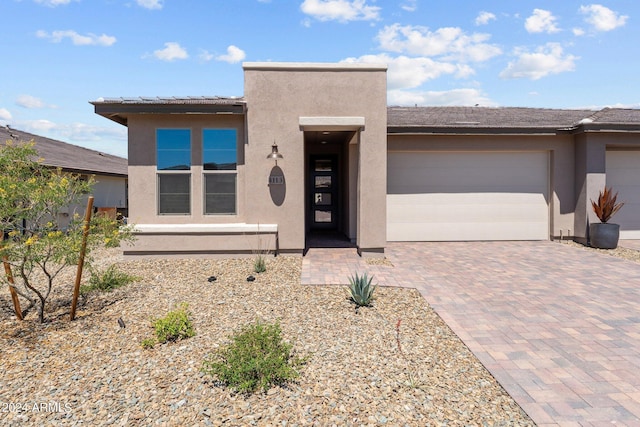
(324, 192)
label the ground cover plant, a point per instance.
(257, 359)
(176, 325)
(107, 280)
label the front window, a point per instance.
(219, 161)
(174, 197)
(173, 155)
(173, 149)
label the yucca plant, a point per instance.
(606, 206)
(361, 289)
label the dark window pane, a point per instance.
(219, 149)
(174, 195)
(323, 199)
(322, 216)
(323, 182)
(220, 193)
(173, 149)
(323, 165)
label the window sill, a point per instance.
(204, 228)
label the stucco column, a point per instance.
(590, 180)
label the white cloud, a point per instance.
(5, 114)
(410, 5)
(455, 97)
(150, 4)
(578, 32)
(234, 55)
(602, 18)
(484, 18)
(448, 42)
(28, 101)
(542, 21)
(171, 52)
(205, 55)
(340, 10)
(405, 72)
(53, 3)
(77, 39)
(546, 60)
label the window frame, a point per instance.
(233, 172)
(165, 172)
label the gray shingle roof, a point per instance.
(483, 118)
(69, 157)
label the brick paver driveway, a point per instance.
(557, 326)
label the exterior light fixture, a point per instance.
(274, 153)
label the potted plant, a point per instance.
(604, 235)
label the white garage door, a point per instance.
(447, 196)
(623, 175)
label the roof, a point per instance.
(475, 119)
(402, 119)
(69, 157)
(118, 109)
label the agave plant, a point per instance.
(361, 289)
(606, 205)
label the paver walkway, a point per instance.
(556, 325)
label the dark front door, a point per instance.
(323, 192)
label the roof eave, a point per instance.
(119, 112)
(456, 130)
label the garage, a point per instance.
(466, 196)
(623, 175)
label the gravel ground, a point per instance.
(619, 252)
(361, 371)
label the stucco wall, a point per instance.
(277, 96)
(143, 198)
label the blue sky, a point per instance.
(57, 55)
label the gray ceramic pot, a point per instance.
(604, 236)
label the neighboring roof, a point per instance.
(118, 109)
(67, 156)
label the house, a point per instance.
(313, 149)
(109, 172)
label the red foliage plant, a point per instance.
(606, 205)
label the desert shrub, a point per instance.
(108, 280)
(259, 264)
(175, 326)
(361, 290)
(256, 359)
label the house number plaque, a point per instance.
(276, 179)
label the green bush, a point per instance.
(108, 280)
(257, 358)
(148, 343)
(176, 325)
(361, 290)
(259, 264)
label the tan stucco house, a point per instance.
(204, 177)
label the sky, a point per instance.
(58, 55)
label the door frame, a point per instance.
(335, 193)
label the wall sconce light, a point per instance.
(274, 153)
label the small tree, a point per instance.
(38, 246)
